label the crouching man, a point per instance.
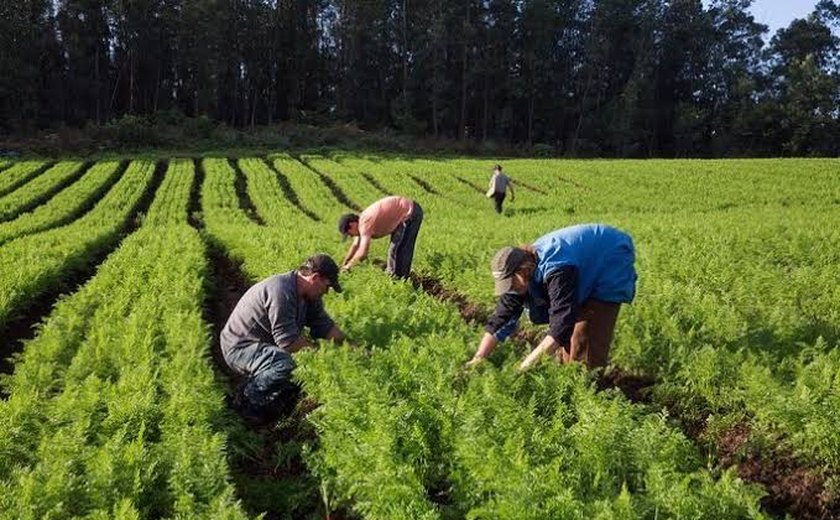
(266, 328)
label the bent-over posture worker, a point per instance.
(266, 328)
(575, 279)
(499, 184)
(399, 217)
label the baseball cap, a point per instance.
(344, 223)
(326, 267)
(504, 265)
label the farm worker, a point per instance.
(499, 183)
(399, 217)
(575, 279)
(266, 328)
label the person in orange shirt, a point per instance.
(399, 217)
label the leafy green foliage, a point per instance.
(65, 205)
(38, 190)
(113, 407)
(31, 264)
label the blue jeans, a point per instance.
(268, 370)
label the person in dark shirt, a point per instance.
(266, 328)
(575, 279)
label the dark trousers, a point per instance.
(401, 252)
(498, 199)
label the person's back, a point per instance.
(251, 319)
(587, 247)
(383, 216)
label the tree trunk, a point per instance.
(463, 127)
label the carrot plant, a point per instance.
(65, 206)
(40, 189)
(31, 265)
(113, 407)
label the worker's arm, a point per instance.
(512, 193)
(360, 253)
(562, 314)
(350, 252)
(299, 343)
(336, 335)
(501, 324)
(485, 348)
(284, 326)
(547, 346)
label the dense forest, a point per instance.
(623, 78)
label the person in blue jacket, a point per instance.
(575, 280)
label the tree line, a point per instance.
(624, 78)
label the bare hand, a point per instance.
(473, 362)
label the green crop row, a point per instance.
(40, 189)
(113, 407)
(66, 205)
(404, 434)
(33, 264)
(18, 174)
(737, 309)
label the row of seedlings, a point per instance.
(66, 205)
(398, 417)
(40, 189)
(34, 264)
(113, 409)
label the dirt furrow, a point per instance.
(289, 192)
(333, 187)
(241, 186)
(25, 326)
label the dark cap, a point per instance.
(344, 223)
(326, 267)
(504, 265)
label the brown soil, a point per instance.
(333, 187)
(791, 488)
(289, 192)
(470, 312)
(425, 185)
(573, 183)
(465, 182)
(241, 186)
(529, 187)
(636, 387)
(373, 182)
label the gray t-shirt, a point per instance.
(498, 183)
(272, 312)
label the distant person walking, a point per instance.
(399, 217)
(266, 328)
(575, 279)
(499, 184)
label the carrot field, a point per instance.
(722, 399)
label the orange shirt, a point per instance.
(383, 216)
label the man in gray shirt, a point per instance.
(266, 327)
(499, 184)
